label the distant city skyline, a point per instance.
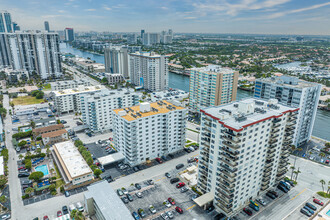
(188, 16)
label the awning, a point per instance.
(80, 128)
(111, 158)
(204, 199)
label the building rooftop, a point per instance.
(214, 69)
(106, 93)
(48, 128)
(108, 202)
(146, 54)
(288, 81)
(241, 114)
(54, 133)
(66, 82)
(72, 162)
(146, 109)
(79, 89)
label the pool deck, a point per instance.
(49, 164)
(322, 214)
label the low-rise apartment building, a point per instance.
(43, 130)
(54, 137)
(96, 108)
(68, 100)
(244, 150)
(149, 130)
(69, 84)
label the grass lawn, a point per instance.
(27, 100)
(60, 181)
(47, 87)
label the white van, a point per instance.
(80, 207)
(72, 207)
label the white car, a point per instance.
(262, 202)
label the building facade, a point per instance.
(212, 86)
(5, 22)
(147, 131)
(46, 23)
(296, 93)
(34, 51)
(69, 34)
(114, 78)
(68, 100)
(244, 150)
(54, 137)
(96, 108)
(149, 70)
(116, 60)
(69, 84)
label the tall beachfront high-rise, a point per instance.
(149, 70)
(34, 51)
(116, 60)
(293, 92)
(211, 86)
(244, 150)
(69, 34)
(46, 23)
(5, 22)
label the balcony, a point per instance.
(271, 150)
(229, 191)
(277, 120)
(225, 197)
(233, 153)
(273, 141)
(227, 184)
(231, 145)
(264, 186)
(289, 129)
(282, 169)
(229, 169)
(274, 136)
(231, 139)
(276, 126)
(275, 130)
(227, 178)
(223, 206)
(230, 174)
(229, 156)
(229, 162)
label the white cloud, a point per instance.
(164, 8)
(90, 9)
(189, 18)
(107, 8)
(61, 11)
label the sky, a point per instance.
(188, 16)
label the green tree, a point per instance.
(104, 80)
(296, 173)
(78, 143)
(89, 161)
(36, 176)
(52, 187)
(32, 124)
(3, 112)
(3, 199)
(73, 213)
(322, 155)
(97, 172)
(28, 164)
(322, 183)
(20, 156)
(22, 143)
(327, 145)
(3, 181)
(29, 191)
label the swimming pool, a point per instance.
(328, 212)
(42, 168)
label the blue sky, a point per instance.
(209, 16)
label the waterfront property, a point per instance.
(212, 86)
(291, 91)
(149, 130)
(239, 139)
(72, 166)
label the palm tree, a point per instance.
(292, 168)
(323, 183)
(322, 155)
(296, 172)
(20, 156)
(29, 191)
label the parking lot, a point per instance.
(159, 192)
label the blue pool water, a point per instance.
(328, 212)
(42, 168)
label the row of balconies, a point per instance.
(231, 138)
(231, 145)
(229, 157)
(234, 153)
(223, 206)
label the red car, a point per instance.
(159, 160)
(59, 214)
(171, 200)
(179, 210)
(247, 211)
(327, 161)
(21, 168)
(317, 201)
(45, 217)
(179, 185)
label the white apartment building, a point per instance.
(68, 100)
(212, 86)
(291, 91)
(35, 51)
(244, 150)
(149, 70)
(114, 78)
(69, 84)
(149, 130)
(96, 108)
(116, 60)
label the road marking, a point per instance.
(160, 179)
(191, 207)
(296, 208)
(299, 194)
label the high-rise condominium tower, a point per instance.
(116, 60)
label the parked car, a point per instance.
(255, 208)
(150, 182)
(270, 195)
(305, 212)
(139, 194)
(65, 210)
(59, 213)
(247, 211)
(159, 160)
(45, 217)
(120, 192)
(179, 166)
(179, 210)
(290, 182)
(138, 186)
(135, 169)
(311, 206)
(194, 196)
(308, 209)
(18, 149)
(152, 209)
(171, 200)
(164, 215)
(262, 202)
(168, 175)
(129, 197)
(285, 184)
(174, 180)
(179, 185)
(141, 213)
(274, 193)
(317, 201)
(66, 193)
(124, 191)
(282, 188)
(170, 214)
(184, 189)
(135, 216)
(124, 199)
(23, 175)
(167, 203)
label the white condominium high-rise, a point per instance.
(212, 86)
(296, 93)
(150, 39)
(34, 51)
(150, 130)
(68, 100)
(149, 70)
(69, 34)
(244, 150)
(116, 60)
(96, 108)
